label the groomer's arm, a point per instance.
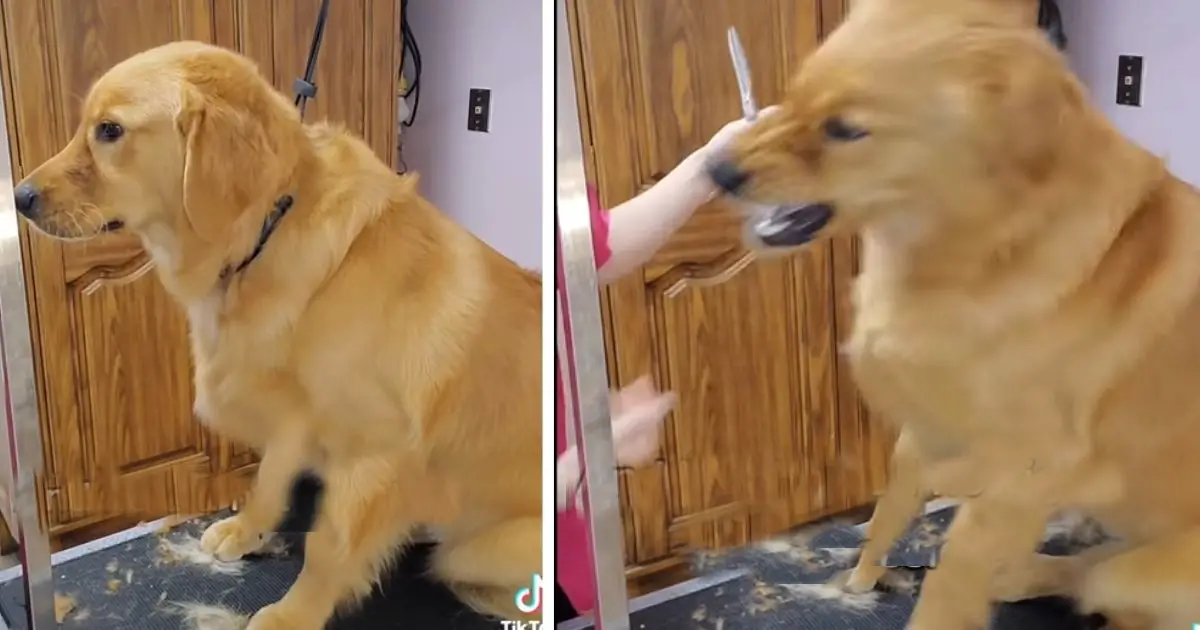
(640, 226)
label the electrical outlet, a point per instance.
(1129, 80)
(480, 109)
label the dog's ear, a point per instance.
(1032, 102)
(231, 163)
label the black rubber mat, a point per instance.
(139, 585)
(751, 604)
(783, 587)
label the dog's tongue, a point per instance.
(789, 226)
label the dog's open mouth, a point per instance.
(112, 226)
(791, 226)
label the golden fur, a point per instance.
(1028, 310)
(373, 340)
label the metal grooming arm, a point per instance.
(580, 348)
(21, 458)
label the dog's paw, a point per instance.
(279, 617)
(229, 539)
(862, 579)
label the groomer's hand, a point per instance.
(638, 412)
(725, 136)
(694, 168)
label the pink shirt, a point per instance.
(573, 570)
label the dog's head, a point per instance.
(186, 136)
(914, 112)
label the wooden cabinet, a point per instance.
(769, 433)
(111, 350)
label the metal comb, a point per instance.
(741, 68)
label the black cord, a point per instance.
(409, 48)
(1050, 20)
(304, 87)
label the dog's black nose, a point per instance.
(727, 176)
(27, 199)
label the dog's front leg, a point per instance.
(987, 532)
(367, 515)
(284, 459)
(896, 509)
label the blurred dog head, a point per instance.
(913, 113)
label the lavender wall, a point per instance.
(1166, 37)
(489, 182)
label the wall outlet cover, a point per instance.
(1129, 80)
(478, 115)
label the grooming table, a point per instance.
(136, 580)
(779, 585)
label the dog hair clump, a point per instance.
(64, 605)
(797, 547)
(204, 617)
(765, 598)
(853, 602)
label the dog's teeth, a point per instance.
(768, 227)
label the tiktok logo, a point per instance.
(529, 599)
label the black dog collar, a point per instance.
(281, 208)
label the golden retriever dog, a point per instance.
(339, 324)
(1028, 309)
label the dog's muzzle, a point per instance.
(727, 176)
(784, 226)
(28, 200)
(791, 226)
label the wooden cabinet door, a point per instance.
(769, 432)
(357, 72)
(112, 354)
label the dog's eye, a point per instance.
(839, 130)
(109, 131)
